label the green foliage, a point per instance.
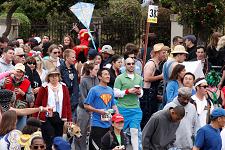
(203, 15)
(98, 3)
(121, 22)
(24, 22)
(162, 28)
(124, 10)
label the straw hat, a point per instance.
(20, 67)
(179, 49)
(158, 47)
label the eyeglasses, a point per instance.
(38, 146)
(204, 86)
(56, 52)
(32, 63)
(130, 64)
(21, 55)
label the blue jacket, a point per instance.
(72, 85)
(172, 90)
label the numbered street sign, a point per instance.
(152, 14)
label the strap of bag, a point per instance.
(95, 145)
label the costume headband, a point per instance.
(200, 82)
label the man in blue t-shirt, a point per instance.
(100, 99)
(208, 137)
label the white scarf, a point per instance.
(52, 99)
(55, 60)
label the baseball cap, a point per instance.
(20, 66)
(19, 51)
(107, 49)
(92, 52)
(117, 118)
(218, 112)
(191, 38)
(61, 144)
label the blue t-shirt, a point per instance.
(100, 97)
(208, 138)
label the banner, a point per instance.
(194, 67)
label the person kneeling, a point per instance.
(115, 138)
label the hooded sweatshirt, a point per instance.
(188, 125)
(4, 67)
(86, 83)
(159, 132)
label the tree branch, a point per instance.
(8, 21)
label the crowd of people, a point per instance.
(117, 101)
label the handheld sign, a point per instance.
(152, 14)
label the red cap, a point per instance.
(117, 118)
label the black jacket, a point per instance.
(33, 77)
(191, 53)
(109, 140)
(73, 84)
(112, 77)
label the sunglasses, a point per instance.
(119, 122)
(130, 64)
(181, 42)
(32, 63)
(204, 86)
(39, 146)
(133, 57)
(21, 55)
(56, 52)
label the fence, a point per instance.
(116, 35)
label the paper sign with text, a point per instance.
(152, 14)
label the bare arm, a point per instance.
(195, 148)
(222, 79)
(149, 71)
(114, 107)
(92, 109)
(29, 111)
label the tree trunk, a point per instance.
(8, 21)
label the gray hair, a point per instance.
(185, 91)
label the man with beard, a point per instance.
(188, 125)
(127, 88)
(152, 78)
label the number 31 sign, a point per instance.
(152, 14)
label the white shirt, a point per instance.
(202, 109)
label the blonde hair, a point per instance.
(67, 52)
(41, 60)
(221, 43)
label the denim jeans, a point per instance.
(83, 121)
(21, 122)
